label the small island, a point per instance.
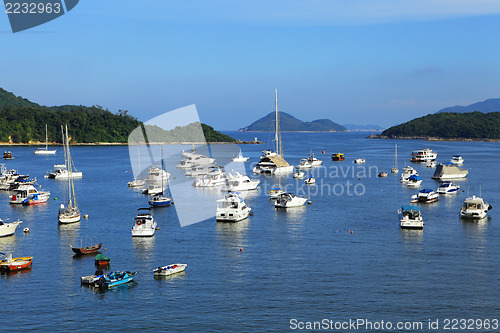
(289, 123)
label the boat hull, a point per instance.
(169, 269)
(8, 229)
(16, 264)
(87, 250)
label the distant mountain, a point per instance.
(354, 127)
(489, 105)
(289, 123)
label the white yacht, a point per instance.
(169, 269)
(359, 161)
(309, 162)
(232, 208)
(7, 229)
(28, 195)
(410, 217)
(193, 159)
(196, 171)
(299, 174)
(424, 155)
(414, 181)
(154, 189)
(136, 183)
(407, 172)
(427, 196)
(449, 171)
(310, 181)
(46, 150)
(70, 213)
(431, 164)
(275, 193)
(240, 158)
(474, 208)
(447, 187)
(457, 159)
(288, 200)
(239, 182)
(215, 177)
(274, 162)
(144, 223)
(157, 175)
(63, 173)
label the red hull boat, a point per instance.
(15, 264)
(87, 250)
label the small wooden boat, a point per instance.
(169, 269)
(86, 250)
(7, 155)
(10, 264)
(101, 260)
(338, 157)
(114, 279)
(91, 279)
(383, 174)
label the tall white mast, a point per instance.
(46, 138)
(277, 121)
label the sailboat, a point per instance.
(395, 169)
(273, 162)
(45, 151)
(62, 171)
(70, 213)
(159, 200)
(137, 182)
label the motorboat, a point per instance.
(232, 208)
(197, 171)
(215, 177)
(447, 187)
(7, 155)
(28, 195)
(169, 269)
(10, 264)
(427, 196)
(63, 173)
(449, 171)
(457, 160)
(158, 200)
(395, 168)
(410, 217)
(310, 181)
(310, 162)
(157, 175)
(431, 164)
(289, 200)
(359, 160)
(240, 158)
(46, 150)
(422, 156)
(153, 189)
(114, 279)
(136, 183)
(474, 208)
(274, 162)
(69, 213)
(407, 172)
(414, 181)
(299, 174)
(144, 223)
(92, 279)
(193, 159)
(8, 228)
(383, 174)
(338, 157)
(275, 192)
(238, 182)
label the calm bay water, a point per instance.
(301, 263)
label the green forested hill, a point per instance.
(22, 121)
(449, 125)
(292, 124)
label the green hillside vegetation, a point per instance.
(22, 121)
(189, 133)
(291, 124)
(447, 125)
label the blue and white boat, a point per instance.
(414, 181)
(447, 187)
(410, 218)
(115, 279)
(158, 200)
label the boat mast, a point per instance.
(46, 138)
(71, 186)
(396, 161)
(279, 147)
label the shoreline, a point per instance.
(431, 138)
(238, 142)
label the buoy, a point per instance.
(348, 231)
(309, 202)
(26, 230)
(241, 250)
(323, 152)
(352, 232)
(172, 202)
(104, 249)
(251, 213)
(55, 198)
(86, 216)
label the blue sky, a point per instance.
(352, 61)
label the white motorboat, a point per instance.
(457, 160)
(8, 228)
(137, 183)
(449, 171)
(62, 173)
(46, 150)
(289, 200)
(422, 156)
(410, 217)
(232, 208)
(299, 174)
(193, 159)
(407, 172)
(359, 160)
(240, 158)
(70, 213)
(144, 223)
(274, 162)
(431, 164)
(447, 187)
(169, 269)
(238, 182)
(196, 171)
(157, 175)
(310, 181)
(310, 162)
(474, 208)
(215, 177)
(154, 189)
(275, 193)
(159, 199)
(395, 168)
(28, 195)
(414, 181)
(427, 196)
(383, 174)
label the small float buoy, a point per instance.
(241, 250)
(323, 152)
(172, 202)
(86, 216)
(251, 213)
(309, 202)
(26, 230)
(352, 232)
(359, 178)
(104, 249)
(157, 228)
(348, 231)
(55, 198)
